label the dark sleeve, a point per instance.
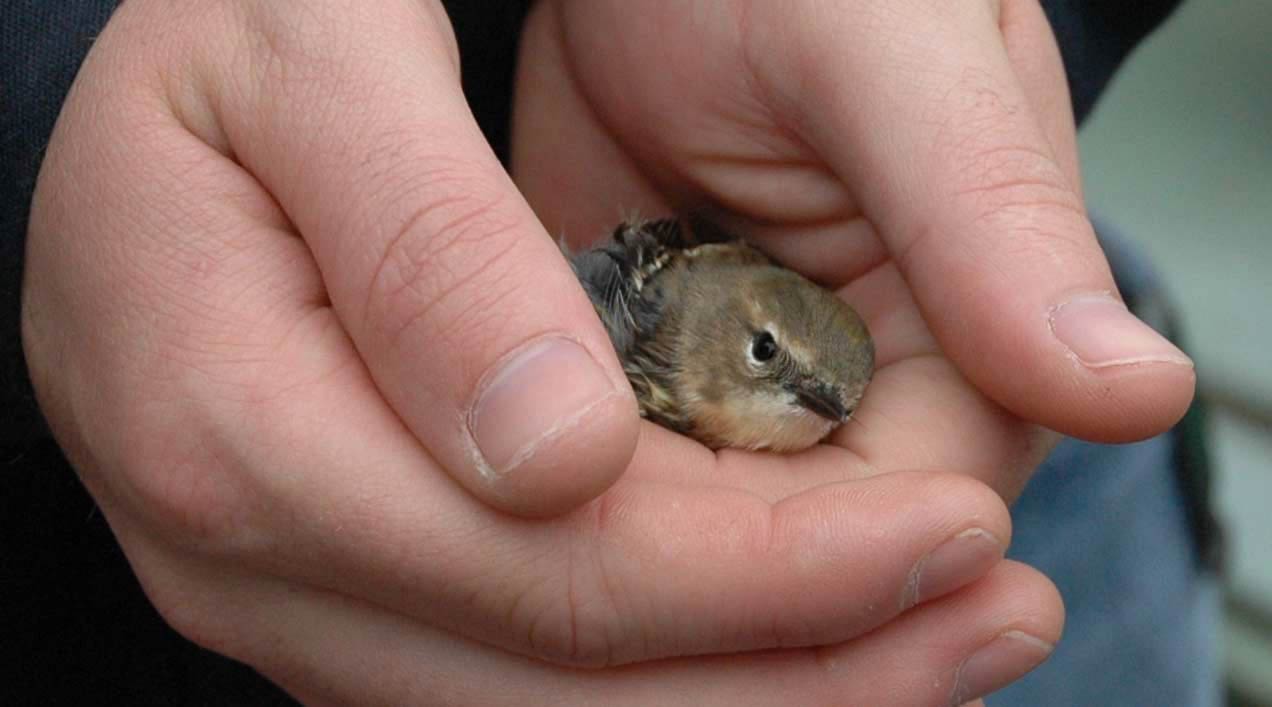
(1095, 37)
(489, 34)
(44, 43)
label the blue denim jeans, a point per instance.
(1107, 525)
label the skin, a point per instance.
(264, 250)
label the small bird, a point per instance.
(721, 343)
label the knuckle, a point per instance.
(988, 136)
(192, 618)
(574, 629)
(295, 45)
(188, 487)
(211, 616)
(186, 600)
(191, 421)
(558, 634)
(1022, 191)
(1042, 232)
(574, 619)
(448, 263)
(182, 470)
(291, 49)
(296, 51)
(1010, 177)
(154, 428)
(296, 32)
(998, 167)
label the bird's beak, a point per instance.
(823, 400)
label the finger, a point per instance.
(964, 186)
(337, 650)
(652, 569)
(471, 322)
(1001, 650)
(921, 413)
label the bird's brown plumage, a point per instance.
(688, 320)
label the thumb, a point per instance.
(468, 318)
(984, 220)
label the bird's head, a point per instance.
(776, 362)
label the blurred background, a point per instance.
(1178, 156)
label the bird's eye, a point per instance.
(763, 347)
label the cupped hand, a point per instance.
(307, 345)
(919, 156)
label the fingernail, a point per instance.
(533, 395)
(1100, 331)
(958, 561)
(998, 663)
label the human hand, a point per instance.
(270, 265)
(920, 156)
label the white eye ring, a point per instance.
(761, 348)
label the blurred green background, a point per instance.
(1178, 156)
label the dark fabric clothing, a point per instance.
(1095, 37)
(73, 609)
(78, 629)
(43, 44)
